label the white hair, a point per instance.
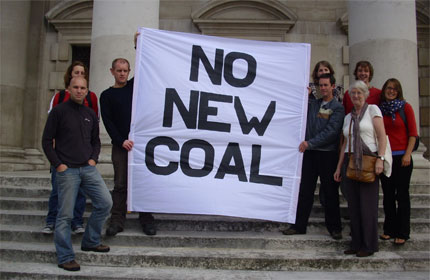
(361, 86)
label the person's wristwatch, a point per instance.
(381, 157)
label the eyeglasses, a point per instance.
(356, 93)
(393, 89)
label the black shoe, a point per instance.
(363, 254)
(350, 252)
(149, 229)
(99, 249)
(112, 230)
(336, 235)
(290, 231)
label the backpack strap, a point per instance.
(62, 95)
(417, 138)
(90, 102)
(403, 116)
(88, 97)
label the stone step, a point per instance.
(44, 192)
(38, 180)
(134, 237)
(42, 187)
(176, 222)
(25, 191)
(415, 198)
(41, 204)
(48, 271)
(221, 258)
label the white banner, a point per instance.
(216, 125)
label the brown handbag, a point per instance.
(367, 173)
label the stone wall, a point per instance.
(37, 37)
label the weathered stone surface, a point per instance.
(49, 271)
(206, 247)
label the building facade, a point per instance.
(39, 39)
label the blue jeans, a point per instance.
(69, 182)
(78, 212)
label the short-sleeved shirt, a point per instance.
(367, 131)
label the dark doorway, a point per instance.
(82, 53)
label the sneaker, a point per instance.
(48, 229)
(79, 230)
(70, 266)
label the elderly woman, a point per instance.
(367, 137)
(323, 67)
(399, 121)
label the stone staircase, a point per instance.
(202, 247)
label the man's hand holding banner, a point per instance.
(216, 124)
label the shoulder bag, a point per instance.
(367, 173)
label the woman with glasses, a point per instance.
(399, 122)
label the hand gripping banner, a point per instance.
(216, 125)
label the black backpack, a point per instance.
(403, 116)
(88, 97)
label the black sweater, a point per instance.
(75, 129)
(115, 104)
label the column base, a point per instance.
(19, 159)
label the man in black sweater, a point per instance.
(75, 129)
(115, 103)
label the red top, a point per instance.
(93, 96)
(396, 130)
(374, 98)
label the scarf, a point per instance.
(389, 108)
(358, 144)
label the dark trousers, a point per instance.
(318, 164)
(363, 212)
(119, 193)
(396, 189)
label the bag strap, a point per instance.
(349, 138)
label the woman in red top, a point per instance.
(363, 72)
(402, 139)
(76, 69)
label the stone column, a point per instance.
(113, 28)
(14, 24)
(384, 32)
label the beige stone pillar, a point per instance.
(384, 32)
(14, 23)
(113, 28)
